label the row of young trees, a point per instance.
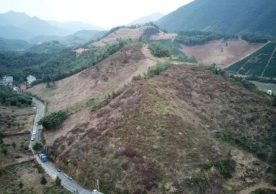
(192, 38)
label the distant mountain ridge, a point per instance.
(15, 45)
(15, 25)
(235, 16)
(150, 18)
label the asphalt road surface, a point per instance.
(67, 182)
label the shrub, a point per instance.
(274, 101)
(13, 145)
(159, 50)
(53, 120)
(58, 181)
(226, 167)
(1, 138)
(37, 146)
(157, 69)
(4, 149)
(43, 180)
(20, 185)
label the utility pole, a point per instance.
(98, 185)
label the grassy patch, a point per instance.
(157, 69)
(263, 145)
(159, 50)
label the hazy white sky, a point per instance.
(103, 13)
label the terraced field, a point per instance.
(262, 63)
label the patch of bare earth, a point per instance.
(111, 74)
(220, 52)
(125, 33)
(122, 33)
(157, 134)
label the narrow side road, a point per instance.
(66, 181)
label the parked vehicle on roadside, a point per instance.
(43, 158)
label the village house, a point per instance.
(30, 80)
(7, 81)
(22, 87)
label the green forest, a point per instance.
(8, 97)
(54, 66)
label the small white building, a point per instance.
(15, 88)
(7, 81)
(30, 79)
(269, 92)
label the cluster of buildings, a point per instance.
(22, 87)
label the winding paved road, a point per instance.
(49, 167)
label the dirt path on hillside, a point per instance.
(143, 67)
(262, 185)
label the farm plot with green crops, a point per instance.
(262, 63)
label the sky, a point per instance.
(101, 13)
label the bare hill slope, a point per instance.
(223, 53)
(109, 75)
(157, 136)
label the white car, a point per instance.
(33, 138)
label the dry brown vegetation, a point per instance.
(111, 74)
(157, 135)
(14, 120)
(125, 33)
(25, 179)
(220, 52)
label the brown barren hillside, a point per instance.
(111, 74)
(157, 136)
(134, 33)
(220, 52)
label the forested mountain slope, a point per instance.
(235, 16)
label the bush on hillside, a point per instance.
(159, 50)
(58, 181)
(1, 138)
(37, 146)
(157, 69)
(226, 167)
(43, 180)
(53, 120)
(274, 101)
